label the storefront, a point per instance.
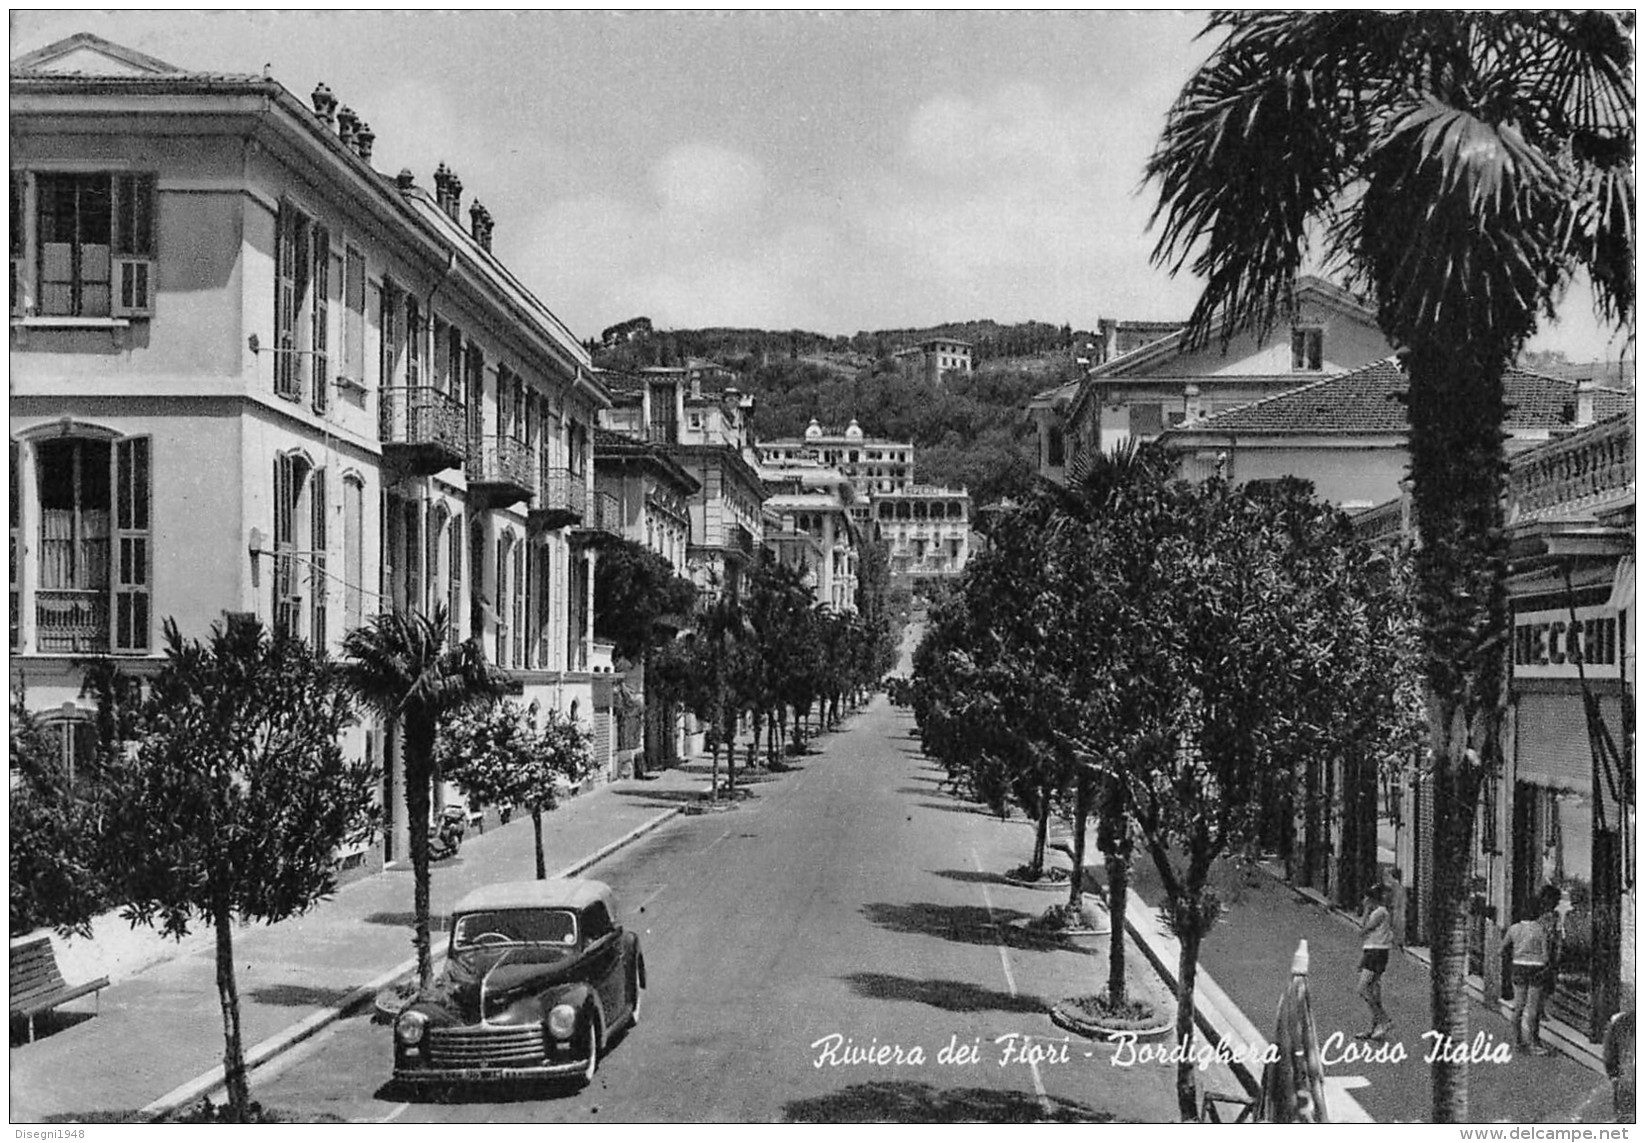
(1571, 728)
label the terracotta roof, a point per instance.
(1367, 401)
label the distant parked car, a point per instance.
(539, 978)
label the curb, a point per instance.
(283, 1041)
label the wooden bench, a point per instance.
(36, 984)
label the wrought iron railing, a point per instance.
(420, 415)
(1589, 466)
(561, 490)
(71, 620)
(501, 461)
(608, 513)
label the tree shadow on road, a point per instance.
(907, 1101)
(295, 996)
(960, 808)
(949, 995)
(969, 924)
(971, 876)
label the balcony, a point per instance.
(421, 430)
(562, 498)
(603, 518)
(741, 539)
(499, 471)
(1570, 478)
(72, 622)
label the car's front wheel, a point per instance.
(592, 1039)
(636, 989)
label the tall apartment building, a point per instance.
(927, 530)
(252, 375)
(872, 464)
(707, 434)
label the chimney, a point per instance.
(480, 224)
(454, 199)
(1585, 402)
(364, 137)
(347, 124)
(696, 385)
(324, 103)
(1190, 403)
(442, 187)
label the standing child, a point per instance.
(1377, 937)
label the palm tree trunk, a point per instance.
(537, 830)
(236, 1088)
(418, 743)
(1457, 467)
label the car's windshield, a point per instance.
(496, 927)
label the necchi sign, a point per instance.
(1548, 645)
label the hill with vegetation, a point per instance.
(970, 430)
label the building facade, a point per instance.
(810, 526)
(251, 375)
(935, 358)
(927, 530)
(873, 464)
(1561, 811)
(1346, 433)
(1154, 387)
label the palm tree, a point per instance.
(401, 666)
(1462, 168)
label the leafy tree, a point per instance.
(236, 801)
(401, 666)
(499, 755)
(638, 599)
(1463, 166)
(55, 879)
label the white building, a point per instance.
(251, 374)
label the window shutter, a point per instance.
(131, 539)
(320, 381)
(318, 578)
(455, 582)
(285, 303)
(19, 261)
(16, 563)
(353, 551)
(286, 602)
(354, 316)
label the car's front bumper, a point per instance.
(430, 1074)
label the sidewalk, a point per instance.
(1249, 955)
(161, 1029)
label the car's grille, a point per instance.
(486, 1047)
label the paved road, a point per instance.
(849, 899)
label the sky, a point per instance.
(833, 172)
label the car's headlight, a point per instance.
(562, 1021)
(408, 1029)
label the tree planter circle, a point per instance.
(1075, 1015)
(1056, 925)
(1048, 880)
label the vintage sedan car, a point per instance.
(538, 978)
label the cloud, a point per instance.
(1004, 202)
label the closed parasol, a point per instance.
(1293, 1083)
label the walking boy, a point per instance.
(1529, 940)
(1377, 932)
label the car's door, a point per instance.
(603, 955)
